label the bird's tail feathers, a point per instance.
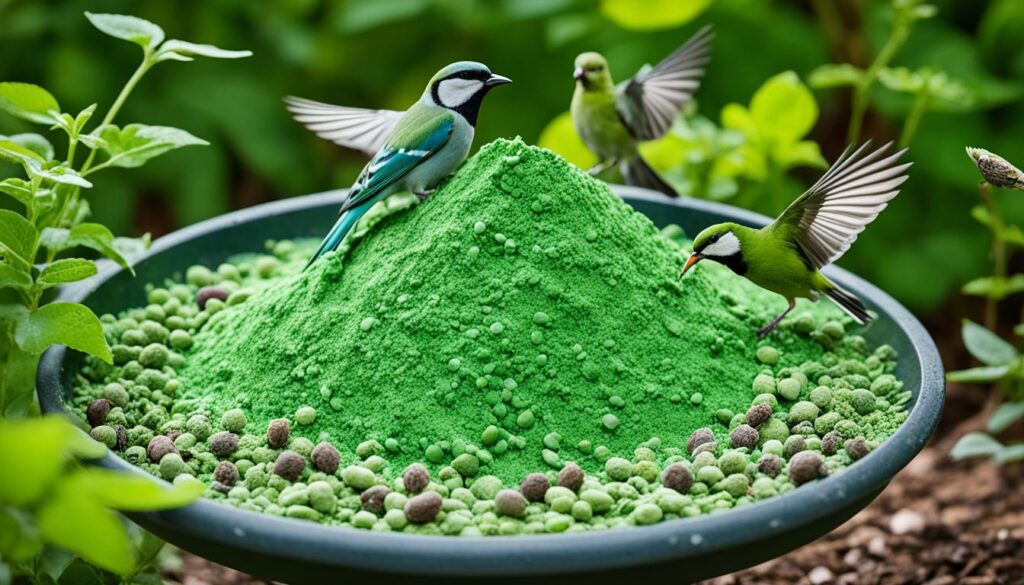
(636, 172)
(336, 235)
(849, 303)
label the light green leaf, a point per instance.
(83, 118)
(29, 102)
(70, 324)
(61, 174)
(78, 522)
(14, 278)
(34, 142)
(994, 287)
(20, 189)
(129, 28)
(1004, 416)
(902, 79)
(989, 348)
(97, 237)
(55, 239)
(653, 14)
(16, 153)
(174, 49)
(54, 561)
(39, 458)
(803, 153)
(835, 75)
(66, 270)
(974, 445)
(737, 117)
(134, 144)
(560, 136)
(783, 108)
(131, 493)
(18, 236)
(982, 375)
(132, 248)
(1010, 454)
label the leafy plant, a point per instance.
(53, 218)
(52, 508)
(1002, 365)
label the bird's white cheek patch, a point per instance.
(727, 245)
(455, 92)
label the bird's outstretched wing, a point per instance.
(416, 138)
(826, 219)
(651, 100)
(355, 128)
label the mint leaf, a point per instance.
(1010, 454)
(978, 375)
(61, 174)
(16, 153)
(175, 49)
(33, 142)
(17, 236)
(835, 75)
(128, 28)
(975, 445)
(135, 493)
(20, 189)
(78, 522)
(11, 277)
(66, 270)
(135, 144)
(783, 108)
(40, 457)
(96, 237)
(654, 14)
(70, 324)
(29, 102)
(1004, 416)
(989, 348)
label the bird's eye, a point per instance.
(595, 68)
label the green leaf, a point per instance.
(14, 278)
(1004, 416)
(54, 561)
(560, 136)
(70, 324)
(803, 153)
(97, 237)
(18, 236)
(989, 348)
(654, 14)
(29, 102)
(18, 154)
(175, 49)
(129, 28)
(134, 144)
(78, 522)
(20, 189)
(974, 445)
(34, 142)
(66, 270)
(132, 248)
(994, 287)
(978, 375)
(63, 175)
(835, 75)
(1010, 454)
(40, 456)
(131, 493)
(783, 108)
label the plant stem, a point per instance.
(900, 32)
(119, 102)
(998, 252)
(921, 102)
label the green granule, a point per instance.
(434, 329)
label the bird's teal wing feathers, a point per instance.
(828, 217)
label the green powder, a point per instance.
(523, 296)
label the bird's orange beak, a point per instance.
(694, 258)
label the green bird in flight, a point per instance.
(612, 120)
(786, 256)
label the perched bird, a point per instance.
(412, 151)
(785, 257)
(612, 120)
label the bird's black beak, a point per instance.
(694, 258)
(495, 80)
(578, 74)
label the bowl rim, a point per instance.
(264, 534)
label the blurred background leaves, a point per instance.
(968, 59)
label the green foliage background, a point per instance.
(380, 53)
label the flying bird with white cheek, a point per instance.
(412, 151)
(815, 230)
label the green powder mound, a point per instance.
(522, 295)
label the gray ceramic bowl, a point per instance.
(294, 551)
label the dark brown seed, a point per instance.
(677, 477)
(326, 458)
(856, 448)
(534, 487)
(830, 443)
(758, 414)
(278, 432)
(373, 499)
(415, 478)
(98, 411)
(122, 438)
(159, 446)
(769, 465)
(423, 508)
(289, 465)
(209, 292)
(571, 476)
(223, 443)
(226, 473)
(510, 503)
(806, 466)
(698, 438)
(744, 436)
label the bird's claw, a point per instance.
(764, 331)
(422, 195)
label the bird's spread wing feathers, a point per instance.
(650, 101)
(419, 140)
(827, 218)
(356, 128)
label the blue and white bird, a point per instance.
(412, 150)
